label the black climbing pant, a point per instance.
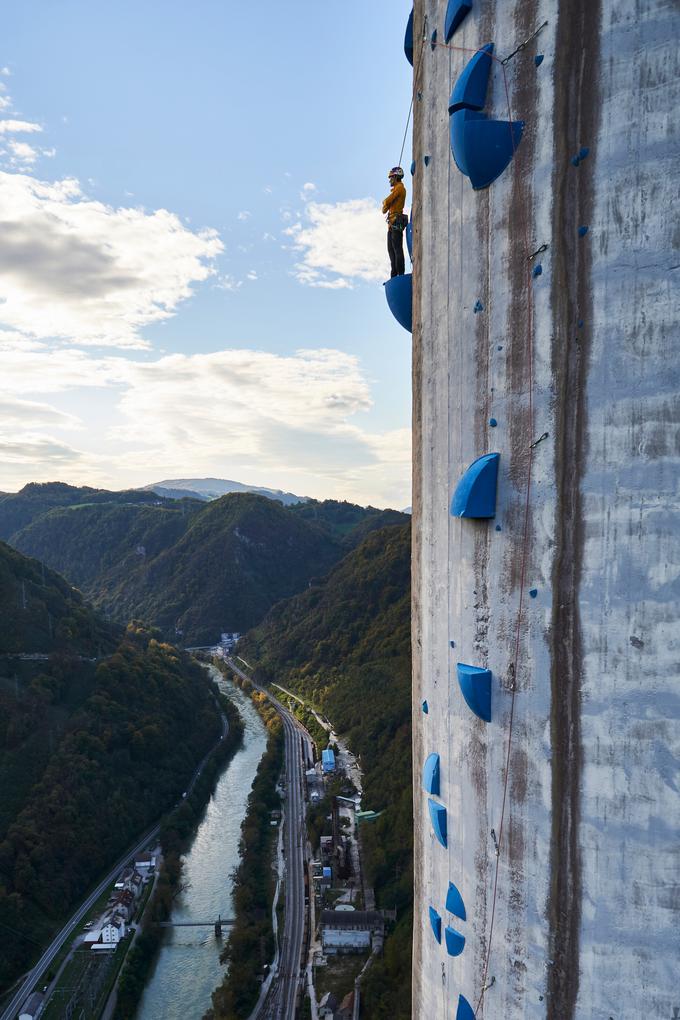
(395, 248)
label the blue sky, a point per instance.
(192, 278)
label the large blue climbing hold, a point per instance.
(465, 1010)
(469, 92)
(455, 942)
(409, 239)
(436, 922)
(456, 12)
(475, 686)
(454, 902)
(408, 39)
(399, 294)
(438, 819)
(431, 774)
(457, 125)
(489, 147)
(475, 494)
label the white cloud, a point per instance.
(37, 451)
(18, 127)
(251, 275)
(5, 102)
(5, 71)
(243, 215)
(308, 190)
(32, 414)
(340, 243)
(290, 421)
(22, 153)
(77, 269)
(227, 282)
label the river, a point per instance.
(188, 966)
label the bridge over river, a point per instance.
(218, 925)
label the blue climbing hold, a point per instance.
(475, 685)
(413, 168)
(582, 231)
(456, 12)
(498, 527)
(436, 922)
(438, 819)
(580, 155)
(425, 708)
(454, 902)
(465, 1010)
(426, 160)
(493, 423)
(399, 294)
(489, 147)
(433, 40)
(431, 774)
(452, 643)
(455, 942)
(538, 59)
(469, 92)
(537, 270)
(475, 494)
(408, 39)
(500, 347)
(533, 592)
(479, 307)
(409, 239)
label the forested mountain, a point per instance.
(193, 569)
(17, 509)
(41, 612)
(96, 739)
(344, 645)
(347, 522)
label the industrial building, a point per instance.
(543, 305)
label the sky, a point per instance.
(191, 245)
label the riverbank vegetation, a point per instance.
(177, 831)
(251, 942)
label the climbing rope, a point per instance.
(416, 68)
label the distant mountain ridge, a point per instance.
(213, 488)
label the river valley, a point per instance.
(188, 967)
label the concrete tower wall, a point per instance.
(574, 604)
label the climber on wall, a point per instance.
(396, 221)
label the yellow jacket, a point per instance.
(394, 203)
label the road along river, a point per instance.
(188, 966)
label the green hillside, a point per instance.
(190, 568)
(41, 612)
(98, 547)
(17, 509)
(345, 646)
(97, 737)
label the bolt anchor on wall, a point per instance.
(523, 46)
(539, 251)
(495, 842)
